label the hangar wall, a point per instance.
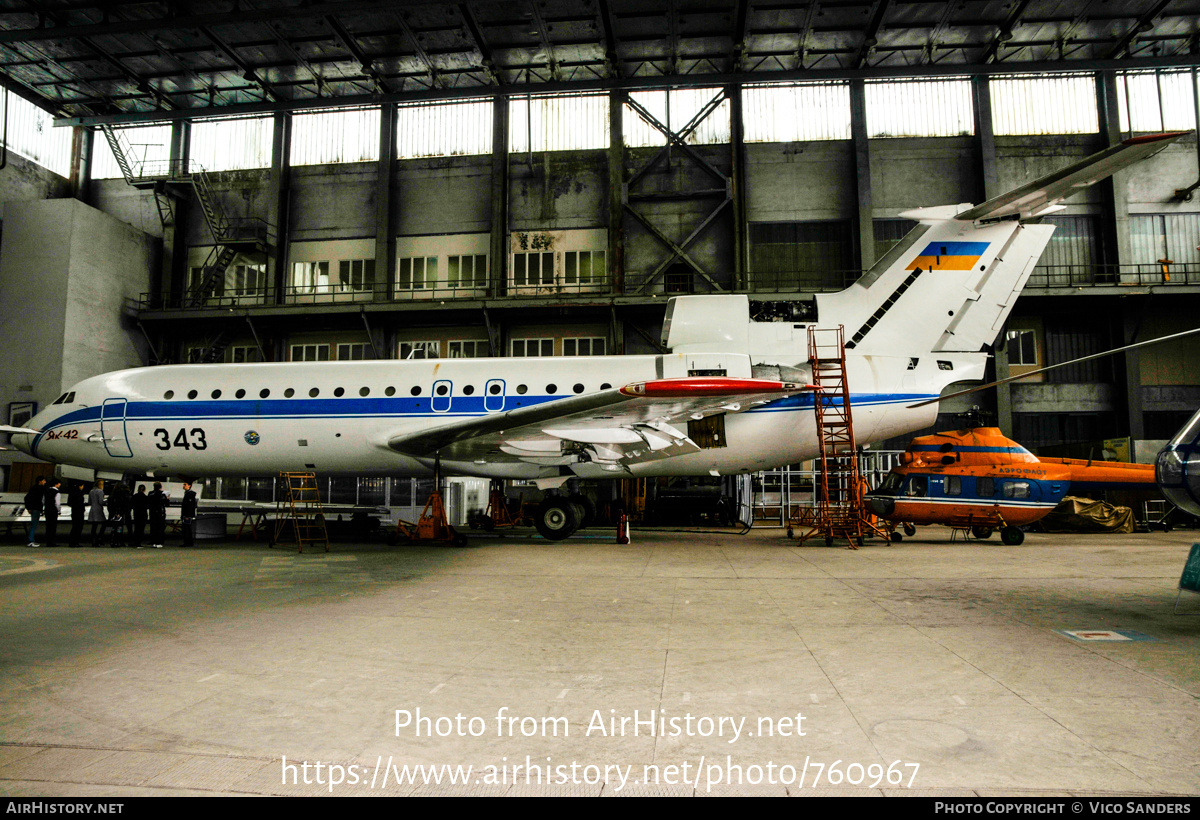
(66, 271)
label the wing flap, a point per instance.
(614, 427)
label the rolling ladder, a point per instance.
(299, 506)
(838, 511)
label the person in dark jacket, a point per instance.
(53, 507)
(139, 509)
(96, 515)
(77, 501)
(158, 516)
(187, 515)
(117, 512)
(35, 501)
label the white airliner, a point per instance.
(919, 320)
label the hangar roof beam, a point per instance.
(1143, 24)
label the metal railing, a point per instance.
(779, 495)
(1043, 278)
(1076, 276)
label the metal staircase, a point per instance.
(231, 236)
(298, 506)
(839, 511)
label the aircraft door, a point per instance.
(442, 391)
(112, 428)
(493, 395)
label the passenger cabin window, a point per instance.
(953, 485)
(1016, 489)
(985, 487)
(917, 486)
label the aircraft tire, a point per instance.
(1012, 536)
(910, 530)
(982, 533)
(897, 538)
(556, 519)
(458, 540)
(587, 509)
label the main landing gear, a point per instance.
(558, 517)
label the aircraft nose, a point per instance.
(881, 505)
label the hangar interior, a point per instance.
(295, 180)
(548, 177)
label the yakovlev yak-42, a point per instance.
(733, 395)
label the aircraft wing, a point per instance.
(1036, 197)
(615, 427)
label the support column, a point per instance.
(277, 207)
(862, 169)
(385, 210)
(1004, 419)
(737, 177)
(175, 251)
(1131, 378)
(1116, 216)
(499, 248)
(616, 191)
(81, 162)
(1115, 190)
(985, 139)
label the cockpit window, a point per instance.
(891, 483)
(62, 399)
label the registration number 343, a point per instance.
(185, 439)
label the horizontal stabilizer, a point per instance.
(1035, 198)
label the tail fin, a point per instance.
(951, 283)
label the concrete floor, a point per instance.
(199, 671)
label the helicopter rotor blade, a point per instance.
(970, 390)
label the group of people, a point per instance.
(123, 514)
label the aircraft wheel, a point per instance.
(1012, 536)
(910, 530)
(791, 533)
(556, 519)
(458, 540)
(587, 515)
(488, 523)
(897, 538)
(391, 538)
(982, 533)
(829, 541)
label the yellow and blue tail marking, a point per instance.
(949, 256)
